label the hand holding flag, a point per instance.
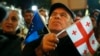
(82, 35)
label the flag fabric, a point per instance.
(82, 35)
(36, 27)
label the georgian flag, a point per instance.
(82, 35)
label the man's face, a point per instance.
(59, 20)
(96, 13)
(43, 13)
(28, 16)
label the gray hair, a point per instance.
(20, 18)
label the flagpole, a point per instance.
(60, 32)
(44, 23)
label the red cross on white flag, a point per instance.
(82, 35)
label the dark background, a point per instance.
(26, 4)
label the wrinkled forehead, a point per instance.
(60, 10)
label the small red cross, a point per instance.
(88, 24)
(85, 51)
(74, 32)
(93, 41)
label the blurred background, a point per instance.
(75, 5)
(26, 4)
(23, 4)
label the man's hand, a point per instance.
(49, 42)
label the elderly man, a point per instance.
(60, 17)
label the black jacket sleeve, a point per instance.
(29, 49)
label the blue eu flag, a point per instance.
(36, 26)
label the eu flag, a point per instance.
(35, 29)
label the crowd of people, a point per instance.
(13, 32)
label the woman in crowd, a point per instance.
(10, 43)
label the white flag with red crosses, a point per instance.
(82, 35)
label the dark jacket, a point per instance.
(65, 47)
(10, 45)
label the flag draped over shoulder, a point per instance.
(36, 27)
(82, 35)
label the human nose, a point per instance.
(57, 16)
(28, 17)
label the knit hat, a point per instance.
(60, 5)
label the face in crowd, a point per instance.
(59, 20)
(28, 16)
(10, 24)
(43, 12)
